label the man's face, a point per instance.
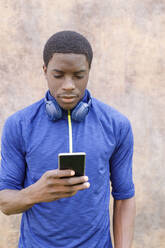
(67, 77)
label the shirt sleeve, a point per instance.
(121, 164)
(13, 165)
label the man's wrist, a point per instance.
(28, 195)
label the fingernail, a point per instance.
(86, 178)
(72, 173)
(87, 185)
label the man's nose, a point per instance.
(68, 84)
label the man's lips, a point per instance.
(67, 98)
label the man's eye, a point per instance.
(79, 77)
(58, 76)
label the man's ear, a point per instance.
(44, 69)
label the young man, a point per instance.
(60, 210)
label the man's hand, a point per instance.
(53, 185)
(57, 184)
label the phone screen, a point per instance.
(73, 161)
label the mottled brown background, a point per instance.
(128, 72)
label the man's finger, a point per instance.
(59, 173)
(80, 186)
(73, 180)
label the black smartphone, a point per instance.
(74, 161)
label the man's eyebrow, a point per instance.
(76, 72)
(57, 71)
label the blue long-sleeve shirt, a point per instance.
(30, 146)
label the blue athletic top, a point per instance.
(30, 146)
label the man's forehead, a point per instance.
(61, 60)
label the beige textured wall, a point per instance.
(128, 72)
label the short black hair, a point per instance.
(67, 42)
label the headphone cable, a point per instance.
(70, 132)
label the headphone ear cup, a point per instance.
(80, 112)
(53, 111)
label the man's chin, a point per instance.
(67, 106)
(67, 103)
